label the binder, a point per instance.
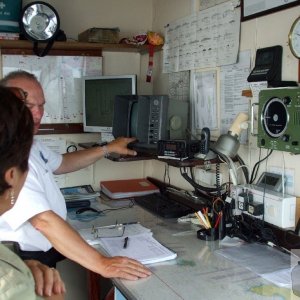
(140, 243)
(117, 189)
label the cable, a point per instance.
(90, 215)
(192, 174)
(218, 179)
(196, 185)
(244, 167)
(167, 174)
(283, 174)
(256, 166)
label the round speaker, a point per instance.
(275, 117)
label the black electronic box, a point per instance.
(177, 149)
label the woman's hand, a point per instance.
(47, 280)
(124, 268)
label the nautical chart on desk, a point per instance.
(60, 77)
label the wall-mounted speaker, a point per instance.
(279, 119)
(178, 119)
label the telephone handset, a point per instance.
(204, 140)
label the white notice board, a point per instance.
(60, 77)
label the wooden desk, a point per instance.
(197, 273)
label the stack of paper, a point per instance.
(141, 245)
(144, 248)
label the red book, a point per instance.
(117, 189)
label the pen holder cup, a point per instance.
(211, 234)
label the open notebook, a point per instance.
(141, 245)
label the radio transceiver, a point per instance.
(177, 149)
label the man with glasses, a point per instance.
(37, 221)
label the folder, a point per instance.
(144, 248)
(117, 189)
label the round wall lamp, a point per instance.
(40, 23)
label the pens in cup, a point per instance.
(125, 242)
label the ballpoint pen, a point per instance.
(125, 242)
(129, 223)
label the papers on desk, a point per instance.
(143, 248)
(95, 235)
(141, 245)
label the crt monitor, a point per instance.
(149, 118)
(98, 99)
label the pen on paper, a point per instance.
(125, 242)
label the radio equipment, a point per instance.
(279, 119)
(149, 118)
(273, 207)
(177, 149)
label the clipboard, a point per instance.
(109, 231)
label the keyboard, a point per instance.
(162, 206)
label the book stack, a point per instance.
(79, 196)
(116, 189)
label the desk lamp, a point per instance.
(228, 144)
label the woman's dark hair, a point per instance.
(16, 133)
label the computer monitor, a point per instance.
(98, 99)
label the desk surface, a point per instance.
(197, 272)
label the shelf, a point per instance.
(171, 162)
(188, 162)
(59, 48)
(147, 156)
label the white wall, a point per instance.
(133, 16)
(261, 32)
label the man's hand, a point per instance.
(119, 146)
(123, 267)
(47, 280)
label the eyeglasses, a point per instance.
(20, 93)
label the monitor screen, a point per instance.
(98, 99)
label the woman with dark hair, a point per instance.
(17, 279)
